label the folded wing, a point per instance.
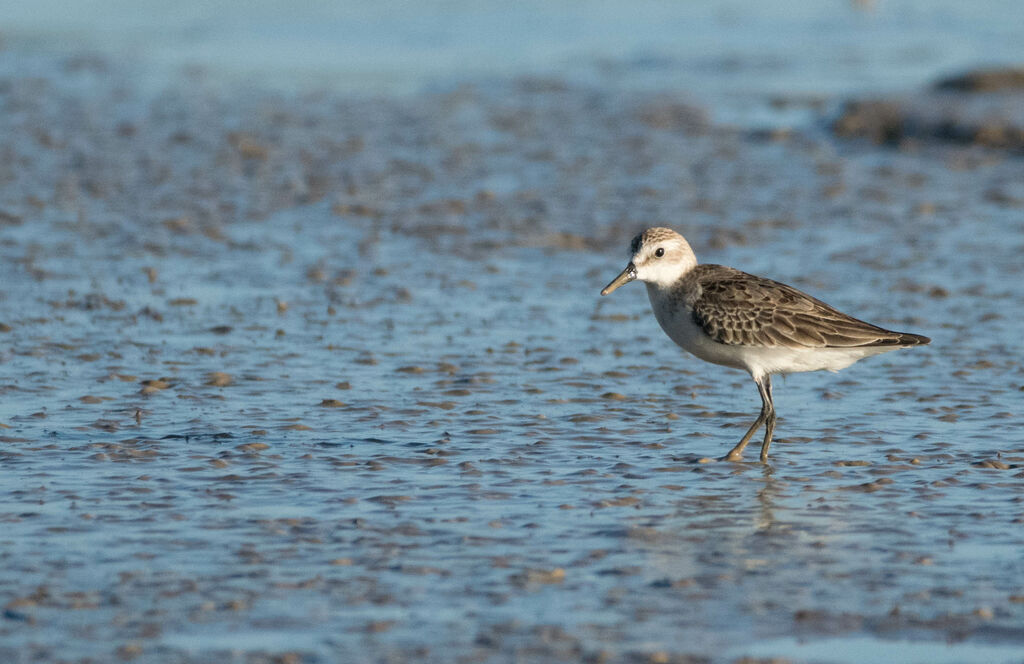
(736, 308)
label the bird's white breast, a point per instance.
(676, 319)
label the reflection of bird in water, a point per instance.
(766, 501)
(738, 320)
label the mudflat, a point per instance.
(321, 377)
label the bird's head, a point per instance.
(660, 257)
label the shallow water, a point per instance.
(312, 378)
(759, 62)
(878, 650)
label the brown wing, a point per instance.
(737, 308)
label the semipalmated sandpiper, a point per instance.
(736, 319)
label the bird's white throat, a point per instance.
(666, 272)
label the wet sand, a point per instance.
(314, 378)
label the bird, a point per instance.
(728, 317)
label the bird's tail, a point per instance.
(908, 339)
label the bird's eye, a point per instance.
(659, 252)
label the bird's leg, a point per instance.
(767, 410)
(766, 396)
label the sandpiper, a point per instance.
(739, 320)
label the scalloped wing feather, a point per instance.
(736, 308)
